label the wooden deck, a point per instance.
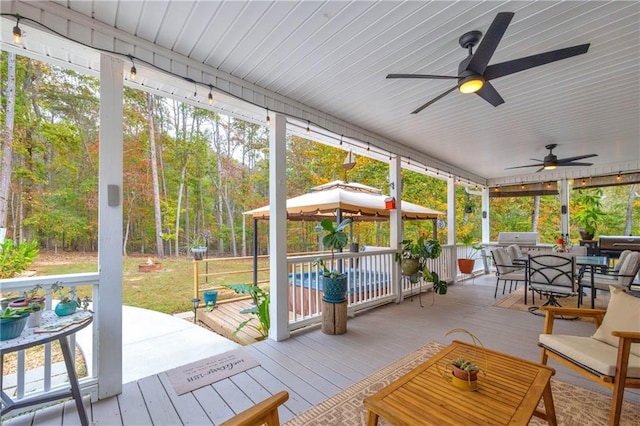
(313, 366)
(226, 317)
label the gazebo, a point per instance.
(342, 199)
(346, 199)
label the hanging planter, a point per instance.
(198, 252)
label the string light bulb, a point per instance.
(134, 72)
(17, 32)
(618, 177)
(210, 97)
(341, 136)
(308, 130)
(268, 118)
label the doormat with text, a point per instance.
(210, 370)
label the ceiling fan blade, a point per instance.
(579, 157)
(429, 76)
(528, 165)
(489, 42)
(490, 94)
(517, 65)
(574, 164)
(437, 98)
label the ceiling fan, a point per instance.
(474, 73)
(551, 161)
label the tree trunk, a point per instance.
(180, 191)
(219, 185)
(7, 144)
(154, 172)
(629, 217)
(536, 213)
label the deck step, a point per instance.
(224, 320)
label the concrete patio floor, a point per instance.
(154, 342)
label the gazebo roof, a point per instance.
(360, 202)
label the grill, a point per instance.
(612, 246)
(522, 239)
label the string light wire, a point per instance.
(133, 73)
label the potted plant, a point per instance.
(198, 247)
(12, 322)
(412, 257)
(334, 281)
(464, 371)
(32, 296)
(468, 259)
(68, 301)
(35, 316)
(588, 212)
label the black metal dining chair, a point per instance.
(552, 275)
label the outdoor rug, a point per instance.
(575, 406)
(210, 370)
(515, 300)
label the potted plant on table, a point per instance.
(31, 297)
(464, 371)
(68, 301)
(468, 259)
(334, 281)
(12, 322)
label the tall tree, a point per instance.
(154, 173)
(536, 213)
(7, 140)
(629, 213)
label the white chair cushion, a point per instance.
(590, 352)
(514, 276)
(623, 314)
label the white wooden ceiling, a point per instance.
(333, 56)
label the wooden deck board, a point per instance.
(224, 320)
(133, 409)
(374, 339)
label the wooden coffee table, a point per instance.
(509, 394)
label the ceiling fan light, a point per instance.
(550, 167)
(471, 84)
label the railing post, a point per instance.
(195, 279)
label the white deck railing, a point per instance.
(48, 376)
(373, 280)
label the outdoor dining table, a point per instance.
(591, 262)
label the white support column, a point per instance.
(395, 218)
(451, 223)
(564, 207)
(486, 222)
(108, 301)
(451, 211)
(279, 291)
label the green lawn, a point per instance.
(168, 291)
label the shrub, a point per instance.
(15, 258)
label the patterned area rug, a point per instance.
(575, 406)
(515, 300)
